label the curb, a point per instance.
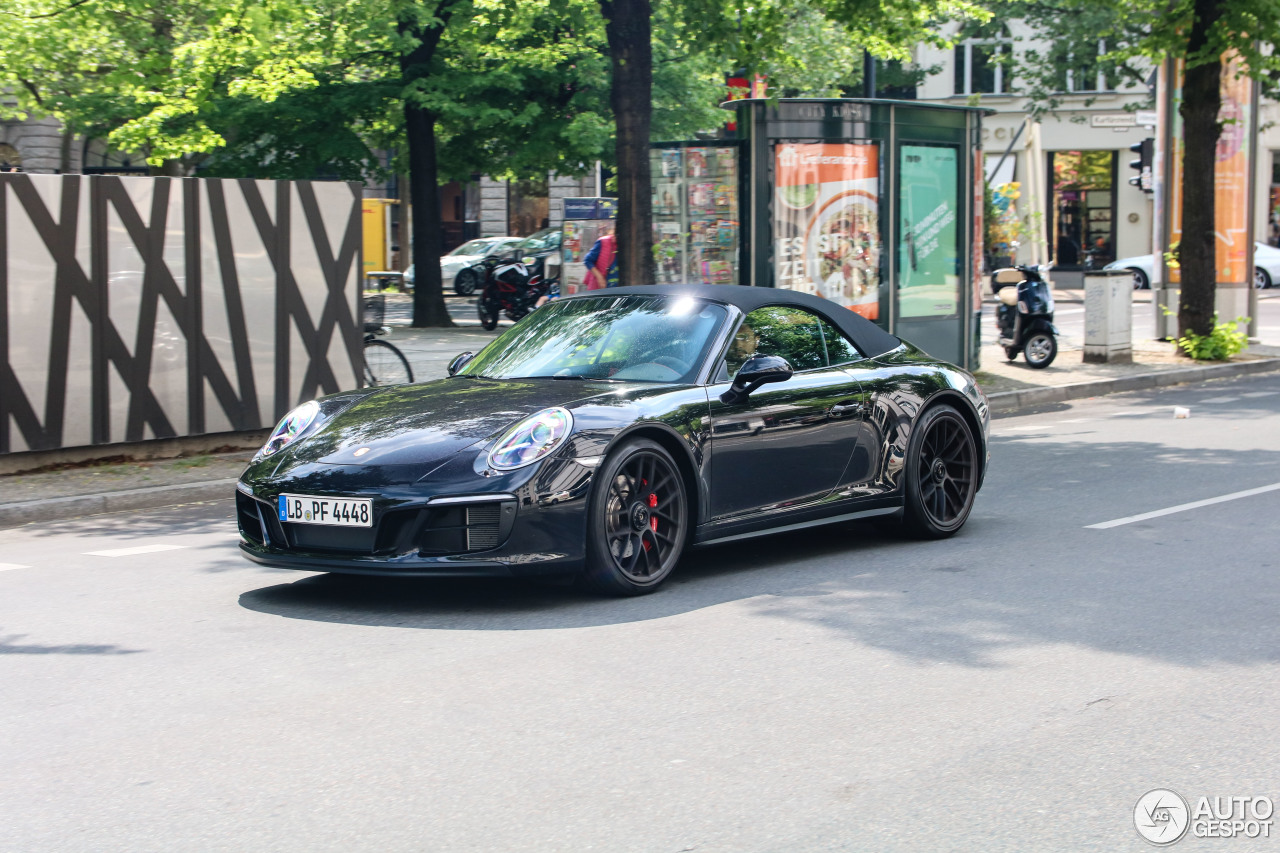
(150, 497)
(1010, 401)
(154, 497)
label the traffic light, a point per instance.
(1146, 153)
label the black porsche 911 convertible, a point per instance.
(607, 432)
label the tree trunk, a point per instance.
(428, 289)
(628, 29)
(1201, 127)
(424, 191)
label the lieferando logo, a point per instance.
(1161, 816)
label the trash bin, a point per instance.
(1108, 316)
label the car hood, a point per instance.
(429, 421)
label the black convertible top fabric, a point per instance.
(869, 338)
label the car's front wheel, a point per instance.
(942, 474)
(1261, 278)
(1140, 280)
(637, 520)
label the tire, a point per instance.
(1261, 278)
(1140, 280)
(1040, 349)
(488, 316)
(1011, 353)
(942, 474)
(636, 531)
(465, 283)
(385, 365)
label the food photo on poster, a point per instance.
(929, 253)
(826, 222)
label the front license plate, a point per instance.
(336, 512)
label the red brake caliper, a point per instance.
(653, 519)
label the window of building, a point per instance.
(10, 159)
(981, 62)
(1083, 67)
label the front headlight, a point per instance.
(290, 427)
(531, 439)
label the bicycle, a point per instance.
(384, 364)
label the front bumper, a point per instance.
(536, 527)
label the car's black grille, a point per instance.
(247, 518)
(432, 531)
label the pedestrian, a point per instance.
(602, 261)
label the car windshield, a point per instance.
(473, 247)
(547, 238)
(613, 338)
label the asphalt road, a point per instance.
(1015, 688)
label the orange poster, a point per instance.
(1231, 175)
(826, 222)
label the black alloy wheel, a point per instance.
(942, 474)
(638, 520)
(1040, 349)
(465, 283)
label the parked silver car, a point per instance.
(1266, 267)
(457, 266)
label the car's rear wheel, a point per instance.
(942, 474)
(1140, 280)
(637, 520)
(1261, 278)
(465, 283)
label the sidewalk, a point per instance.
(74, 491)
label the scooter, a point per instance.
(510, 288)
(1025, 315)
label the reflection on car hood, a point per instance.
(413, 424)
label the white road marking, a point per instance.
(1220, 400)
(1260, 394)
(1247, 493)
(4, 567)
(129, 552)
(1020, 428)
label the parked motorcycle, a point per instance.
(1025, 315)
(510, 287)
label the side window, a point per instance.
(789, 332)
(840, 350)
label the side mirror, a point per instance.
(756, 371)
(460, 361)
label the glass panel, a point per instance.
(788, 332)
(826, 222)
(632, 338)
(958, 66)
(840, 350)
(695, 214)
(929, 251)
(983, 77)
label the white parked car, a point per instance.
(1266, 267)
(457, 266)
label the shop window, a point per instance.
(1083, 232)
(981, 62)
(528, 207)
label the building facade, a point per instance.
(1068, 174)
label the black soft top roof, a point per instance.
(869, 338)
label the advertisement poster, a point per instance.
(1230, 175)
(826, 222)
(929, 252)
